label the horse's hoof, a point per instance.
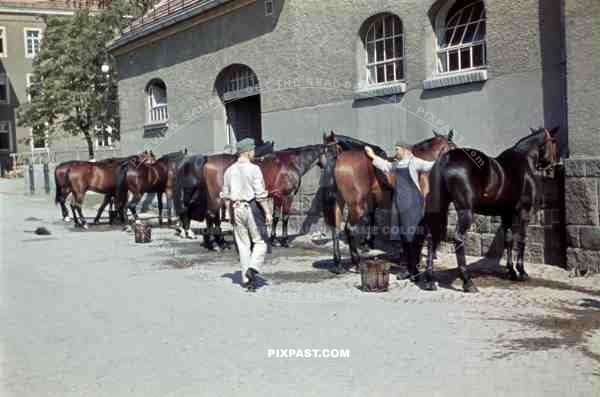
(523, 276)
(469, 287)
(85, 226)
(285, 244)
(403, 276)
(512, 275)
(430, 286)
(67, 219)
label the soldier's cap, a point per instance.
(404, 145)
(245, 145)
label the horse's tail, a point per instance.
(121, 185)
(179, 184)
(436, 209)
(329, 191)
(59, 183)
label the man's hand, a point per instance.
(269, 220)
(369, 152)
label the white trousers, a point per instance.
(246, 232)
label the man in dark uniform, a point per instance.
(408, 201)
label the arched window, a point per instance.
(384, 47)
(461, 37)
(156, 97)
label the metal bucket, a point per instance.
(375, 276)
(143, 233)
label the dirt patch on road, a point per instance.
(570, 331)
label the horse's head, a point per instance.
(432, 148)
(147, 157)
(330, 148)
(547, 151)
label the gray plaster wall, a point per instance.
(312, 39)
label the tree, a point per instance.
(69, 92)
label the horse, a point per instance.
(350, 180)
(155, 177)
(283, 172)
(77, 177)
(503, 186)
(198, 184)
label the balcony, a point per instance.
(57, 4)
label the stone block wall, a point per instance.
(582, 202)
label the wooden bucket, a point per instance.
(375, 276)
(143, 233)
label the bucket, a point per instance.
(375, 276)
(143, 233)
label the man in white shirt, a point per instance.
(244, 191)
(408, 201)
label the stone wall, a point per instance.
(582, 197)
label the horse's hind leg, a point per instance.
(107, 199)
(522, 236)
(369, 242)
(160, 207)
(465, 219)
(133, 204)
(274, 227)
(284, 230)
(508, 245)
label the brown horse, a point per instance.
(77, 177)
(150, 177)
(350, 180)
(282, 171)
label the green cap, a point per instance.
(245, 145)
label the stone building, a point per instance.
(202, 74)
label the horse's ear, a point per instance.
(554, 130)
(532, 130)
(435, 133)
(451, 135)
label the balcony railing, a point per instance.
(164, 9)
(158, 114)
(57, 4)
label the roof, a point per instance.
(165, 13)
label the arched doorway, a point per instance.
(237, 87)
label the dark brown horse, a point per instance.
(350, 180)
(504, 186)
(78, 177)
(150, 177)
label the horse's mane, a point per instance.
(301, 148)
(524, 144)
(350, 143)
(177, 156)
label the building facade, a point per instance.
(213, 72)
(22, 25)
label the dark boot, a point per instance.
(251, 275)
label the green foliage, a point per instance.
(69, 92)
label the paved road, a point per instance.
(92, 314)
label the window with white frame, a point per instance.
(33, 38)
(156, 94)
(39, 139)
(240, 78)
(29, 79)
(461, 38)
(268, 7)
(104, 136)
(3, 51)
(4, 135)
(384, 47)
(4, 92)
